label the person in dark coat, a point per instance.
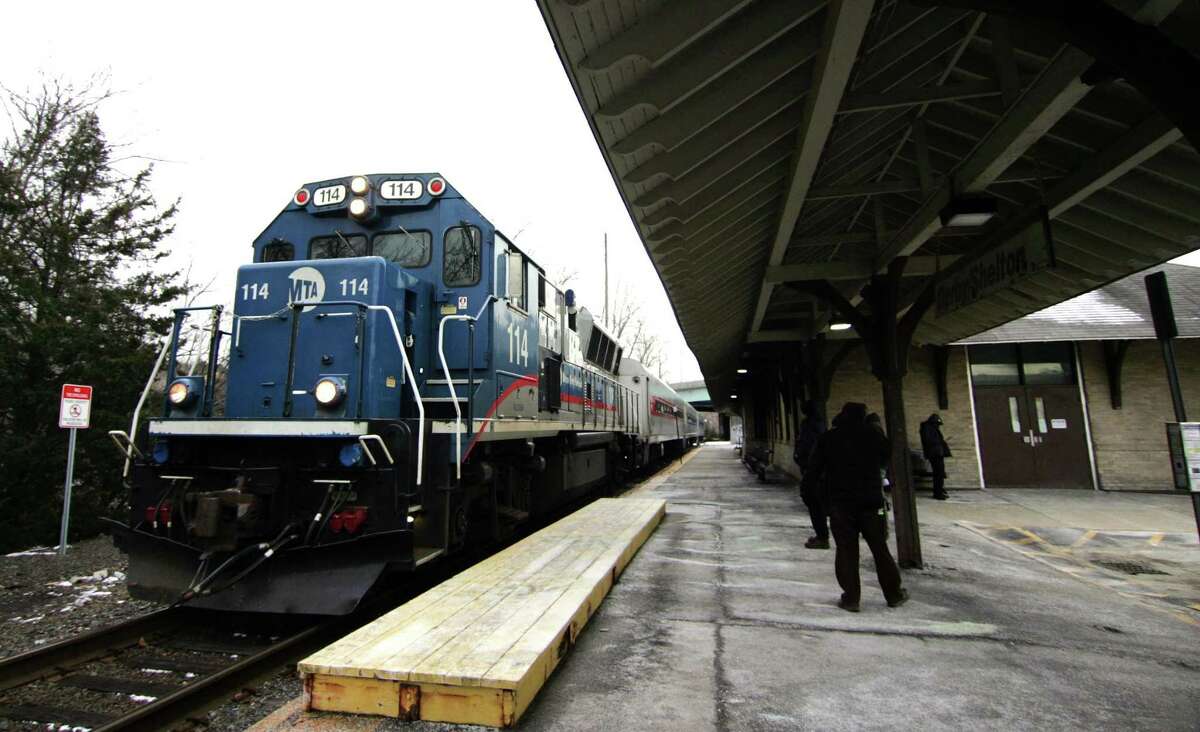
(813, 495)
(935, 449)
(850, 458)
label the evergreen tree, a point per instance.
(82, 296)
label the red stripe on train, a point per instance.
(522, 381)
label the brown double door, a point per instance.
(1032, 436)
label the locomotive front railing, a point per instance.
(137, 411)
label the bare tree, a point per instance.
(627, 321)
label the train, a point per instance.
(398, 382)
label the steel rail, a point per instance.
(72, 654)
(208, 689)
(42, 662)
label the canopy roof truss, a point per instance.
(759, 143)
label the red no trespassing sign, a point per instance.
(75, 406)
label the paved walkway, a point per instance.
(725, 622)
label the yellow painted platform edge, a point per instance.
(533, 682)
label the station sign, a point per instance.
(1183, 443)
(75, 407)
(973, 278)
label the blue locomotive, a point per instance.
(398, 381)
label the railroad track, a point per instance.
(151, 672)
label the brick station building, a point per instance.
(1072, 396)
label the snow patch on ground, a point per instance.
(37, 551)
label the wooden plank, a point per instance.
(477, 648)
(352, 695)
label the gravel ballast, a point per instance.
(45, 598)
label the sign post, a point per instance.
(74, 414)
(1183, 437)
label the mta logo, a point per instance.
(307, 285)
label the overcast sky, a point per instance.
(243, 102)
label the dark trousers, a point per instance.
(817, 512)
(938, 466)
(847, 524)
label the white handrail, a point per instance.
(412, 382)
(137, 411)
(450, 382)
(453, 393)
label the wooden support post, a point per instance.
(816, 388)
(941, 360)
(1114, 361)
(924, 169)
(888, 339)
(1006, 65)
(888, 348)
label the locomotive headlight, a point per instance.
(329, 392)
(180, 393)
(359, 208)
(359, 185)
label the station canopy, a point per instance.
(763, 145)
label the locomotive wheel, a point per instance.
(460, 521)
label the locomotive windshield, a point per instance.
(405, 248)
(337, 246)
(278, 251)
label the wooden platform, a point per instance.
(477, 648)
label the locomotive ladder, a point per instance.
(470, 320)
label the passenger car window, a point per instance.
(278, 251)
(335, 247)
(461, 256)
(407, 249)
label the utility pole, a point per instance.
(606, 279)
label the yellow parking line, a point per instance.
(1087, 536)
(1157, 539)
(1030, 537)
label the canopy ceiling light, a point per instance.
(970, 211)
(839, 326)
(743, 371)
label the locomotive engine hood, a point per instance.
(328, 357)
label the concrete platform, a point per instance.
(478, 647)
(725, 622)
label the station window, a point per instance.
(337, 246)
(405, 248)
(278, 251)
(1047, 363)
(460, 266)
(1014, 364)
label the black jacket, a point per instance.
(806, 441)
(932, 442)
(850, 457)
